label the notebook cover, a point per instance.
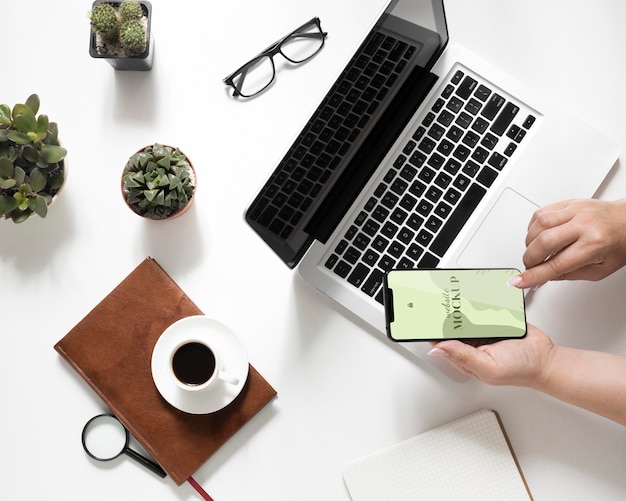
(111, 348)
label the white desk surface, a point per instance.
(341, 392)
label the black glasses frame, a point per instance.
(271, 51)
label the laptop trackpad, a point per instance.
(499, 242)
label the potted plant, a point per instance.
(120, 33)
(32, 162)
(158, 182)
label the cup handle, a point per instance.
(228, 378)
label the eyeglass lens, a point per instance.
(297, 47)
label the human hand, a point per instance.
(518, 362)
(574, 240)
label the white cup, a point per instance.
(195, 366)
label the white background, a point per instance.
(342, 393)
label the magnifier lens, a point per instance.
(105, 438)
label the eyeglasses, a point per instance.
(297, 47)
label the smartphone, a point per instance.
(437, 304)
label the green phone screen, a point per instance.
(453, 304)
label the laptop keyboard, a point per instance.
(443, 172)
(310, 163)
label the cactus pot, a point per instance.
(121, 62)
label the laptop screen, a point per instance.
(352, 129)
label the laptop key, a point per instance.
(428, 261)
(358, 276)
(373, 282)
(493, 106)
(457, 219)
(504, 119)
(342, 269)
(467, 87)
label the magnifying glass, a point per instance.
(106, 438)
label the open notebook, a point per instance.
(470, 459)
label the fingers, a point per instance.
(465, 358)
(569, 264)
(548, 233)
(553, 249)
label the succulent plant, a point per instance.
(133, 36)
(158, 181)
(32, 167)
(121, 26)
(129, 10)
(104, 21)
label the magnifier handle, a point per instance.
(151, 465)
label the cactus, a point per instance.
(133, 36)
(129, 10)
(121, 25)
(104, 21)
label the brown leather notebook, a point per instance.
(111, 348)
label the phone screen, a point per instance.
(431, 305)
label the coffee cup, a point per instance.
(195, 366)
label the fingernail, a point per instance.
(515, 281)
(438, 352)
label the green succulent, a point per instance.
(158, 181)
(129, 10)
(31, 161)
(133, 36)
(104, 21)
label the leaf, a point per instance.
(38, 180)
(150, 194)
(7, 184)
(5, 114)
(174, 182)
(53, 133)
(25, 122)
(19, 175)
(21, 109)
(19, 137)
(52, 154)
(160, 198)
(56, 181)
(33, 103)
(42, 125)
(6, 167)
(7, 204)
(38, 205)
(20, 216)
(153, 183)
(164, 162)
(30, 153)
(22, 201)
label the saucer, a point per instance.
(231, 352)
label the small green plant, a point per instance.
(31, 161)
(158, 181)
(129, 11)
(121, 26)
(104, 21)
(133, 35)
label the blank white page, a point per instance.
(468, 459)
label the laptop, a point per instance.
(421, 154)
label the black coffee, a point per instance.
(193, 363)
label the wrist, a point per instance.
(549, 366)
